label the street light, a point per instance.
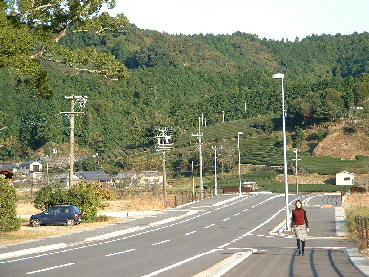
(281, 76)
(239, 161)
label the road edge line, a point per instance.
(227, 264)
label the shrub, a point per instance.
(51, 195)
(320, 134)
(351, 213)
(103, 218)
(86, 196)
(8, 204)
(83, 196)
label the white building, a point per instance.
(30, 167)
(344, 178)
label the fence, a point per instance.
(362, 228)
(187, 196)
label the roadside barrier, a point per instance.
(362, 228)
(187, 197)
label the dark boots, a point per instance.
(303, 247)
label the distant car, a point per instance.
(62, 214)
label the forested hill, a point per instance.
(176, 78)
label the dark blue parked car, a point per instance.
(62, 214)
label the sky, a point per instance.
(272, 19)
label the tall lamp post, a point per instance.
(215, 169)
(281, 76)
(239, 161)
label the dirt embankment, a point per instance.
(341, 143)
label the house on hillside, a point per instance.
(7, 174)
(64, 179)
(54, 162)
(11, 167)
(29, 167)
(124, 178)
(344, 178)
(149, 178)
(93, 176)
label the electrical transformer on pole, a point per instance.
(163, 144)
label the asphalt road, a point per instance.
(226, 235)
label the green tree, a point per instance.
(299, 136)
(333, 103)
(8, 203)
(361, 92)
(30, 32)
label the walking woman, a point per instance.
(300, 225)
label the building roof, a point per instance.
(345, 172)
(65, 177)
(126, 175)
(7, 173)
(7, 166)
(93, 176)
(150, 173)
(28, 163)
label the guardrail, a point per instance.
(362, 228)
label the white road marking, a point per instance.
(113, 254)
(49, 268)
(226, 219)
(190, 233)
(254, 229)
(161, 242)
(227, 264)
(180, 263)
(226, 201)
(211, 225)
(113, 234)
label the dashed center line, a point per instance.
(113, 254)
(190, 233)
(226, 219)
(49, 268)
(211, 225)
(161, 242)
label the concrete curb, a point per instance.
(32, 250)
(358, 260)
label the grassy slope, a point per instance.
(320, 161)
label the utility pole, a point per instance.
(164, 145)
(296, 159)
(199, 135)
(81, 100)
(215, 170)
(47, 173)
(193, 180)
